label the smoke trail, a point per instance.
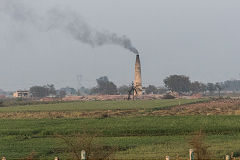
(67, 21)
(18, 12)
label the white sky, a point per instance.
(199, 39)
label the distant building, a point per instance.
(21, 94)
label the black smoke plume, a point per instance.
(67, 21)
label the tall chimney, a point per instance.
(138, 77)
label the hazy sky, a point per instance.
(199, 39)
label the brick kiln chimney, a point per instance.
(138, 77)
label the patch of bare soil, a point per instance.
(216, 107)
(67, 114)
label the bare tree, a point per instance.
(200, 148)
(79, 142)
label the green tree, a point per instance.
(69, 90)
(62, 93)
(162, 90)
(211, 87)
(195, 87)
(43, 91)
(151, 89)
(51, 89)
(203, 87)
(123, 89)
(178, 83)
(39, 91)
(231, 85)
(219, 87)
(104, 86)
(83, 91)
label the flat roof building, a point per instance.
(21, 94)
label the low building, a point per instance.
(21, 94)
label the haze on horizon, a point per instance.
(199, 39)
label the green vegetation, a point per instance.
(145, 137)
(150, 134)
(129, 126)
(100, 105)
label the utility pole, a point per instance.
(79, 80)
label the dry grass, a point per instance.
(216, 107)
(31, 156)
(67, 114)
(200, 149)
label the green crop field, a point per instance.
(135, 137)
(100, 105)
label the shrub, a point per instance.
(200, 149)
(77, 143)
(168, 96)
(31, 156)
(1, 104)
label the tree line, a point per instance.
(174, 83)
(182, 84)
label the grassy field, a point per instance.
(100, 105)
(90, 109)
(129, 126)
(136, 137)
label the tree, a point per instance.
(73, 145)
(162, 90)
(211, 87)
(83, 91)
(203, 87)
(69, 90)
(39, 91)
(1, 103)
(104, 86)
(151, 89)
(43, 91)
(231, 85)
(62, 93)
(51, 89)
(123, 89)
(196, 87)
(219, 87)
(200, 148)
(178, 83)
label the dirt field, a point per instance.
(215, 107)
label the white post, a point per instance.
(167, 158)
(227, 157)
(83, 155)
(232, 155)
(3, 158)
(191, 154)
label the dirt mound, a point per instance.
(108, 97)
